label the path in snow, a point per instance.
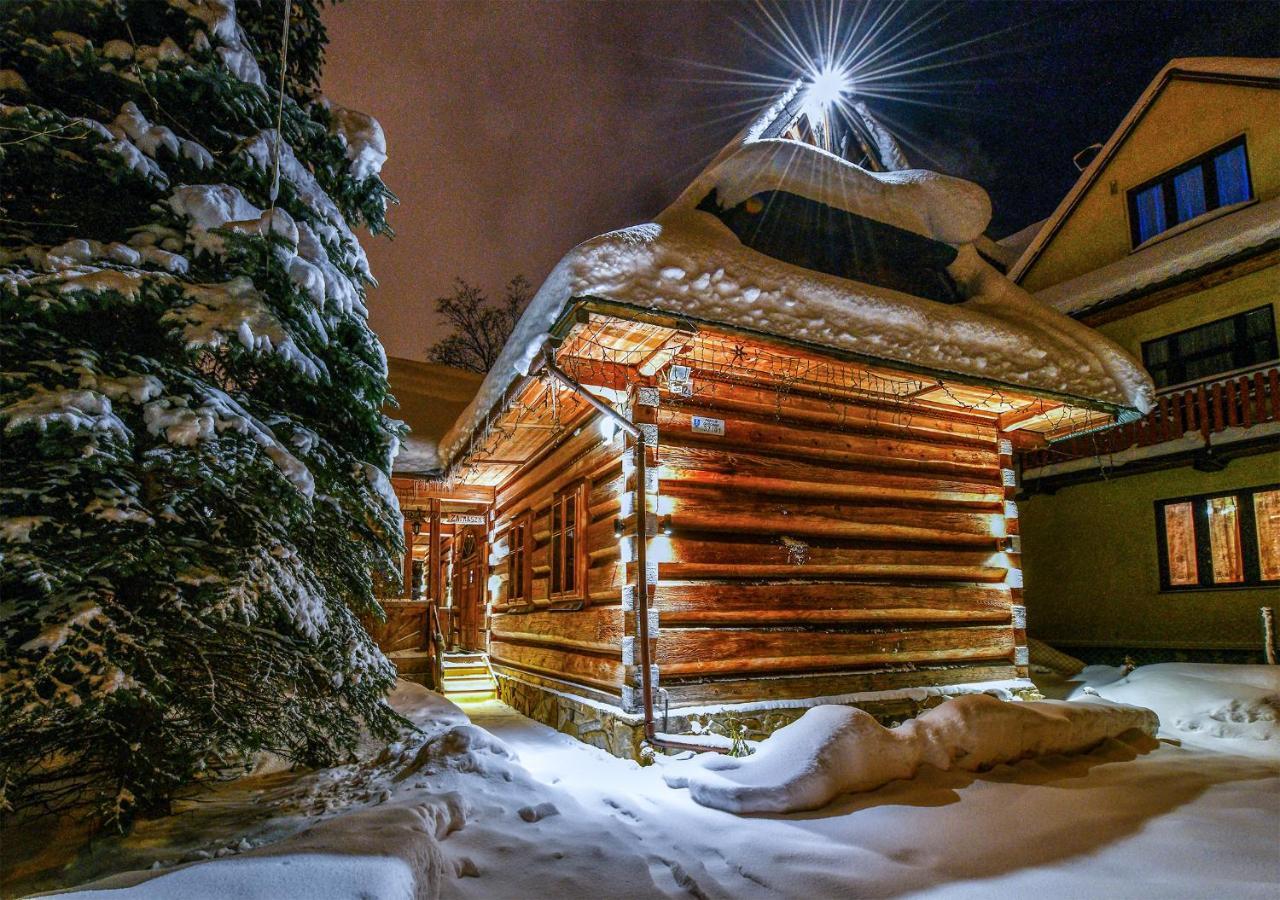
(1175, 822)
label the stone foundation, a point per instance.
(613, 731)
(622, 734)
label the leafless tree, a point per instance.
(479, 326)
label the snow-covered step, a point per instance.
(467, 676)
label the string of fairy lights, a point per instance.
(706, 360)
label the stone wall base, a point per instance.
(622, 734)
(613, 731)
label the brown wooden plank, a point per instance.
(768, 403)
(594, 670)
(827, 602)
(594, 628)
(788, 687)
(691, 652)
(675, 426)
(762, 471)
(725, 512)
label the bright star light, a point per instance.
(825, 89)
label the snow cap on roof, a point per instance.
(688, 263)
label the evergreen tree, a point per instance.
(194, 490)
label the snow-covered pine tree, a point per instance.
(193, 487)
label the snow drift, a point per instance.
(833, 750)
(1199, 701)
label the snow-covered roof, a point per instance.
(1225, 68)
(1237, 232)
(429, 397)
(688, 263)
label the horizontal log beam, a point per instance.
(828, 602)
(695, 652)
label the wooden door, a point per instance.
(468, 589)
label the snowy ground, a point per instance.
(1197, 816)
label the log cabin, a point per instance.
(758, 454)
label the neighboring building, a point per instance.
(758, 453)
(1163, 537)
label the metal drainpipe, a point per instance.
(642, 563)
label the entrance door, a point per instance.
(468, 590)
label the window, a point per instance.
(1220, 540)
(567, 556)
(519, 573)
(1236, 342)
(1216, 179)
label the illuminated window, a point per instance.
(1266, 519)
(1180, 533)
(1223, 540)
(1218, 178)
(518, 559)
(567, 556)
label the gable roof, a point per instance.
(1257, 72)
(689, 264)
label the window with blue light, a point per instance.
(1216, 179)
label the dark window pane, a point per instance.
(1209, 365)
(1156, 352)
(1188, 191)
(1149, 205)
(1233, 176)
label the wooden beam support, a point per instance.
(663, 354)
(435, 562)
(407, 566)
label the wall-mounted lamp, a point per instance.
(417, 527)
(667, 528)
(617, 528)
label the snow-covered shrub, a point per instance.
(194, 486)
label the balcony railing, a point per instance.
(1208, 408)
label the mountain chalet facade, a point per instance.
(758, 454)
(1164, 535)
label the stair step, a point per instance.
(464, 657)
(465, 671)
(467, 685)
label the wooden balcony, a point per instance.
(1208, 408)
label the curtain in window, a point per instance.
(1266, 517)
(1188, 192)
(1224, 540)
(1180, 535)
(1151, 217)
(1233, 176)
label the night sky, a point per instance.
(516, 130)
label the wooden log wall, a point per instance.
(820, 547)
(573, 644)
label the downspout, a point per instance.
(642, 563)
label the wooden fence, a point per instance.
(1207, 408)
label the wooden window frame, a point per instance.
(558, 559)
(1204, 565)
(1177, 366)
(520, 560)
(1204, 162)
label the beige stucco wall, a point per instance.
(1261, 288)
(1188, 118)
(1091, 571)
